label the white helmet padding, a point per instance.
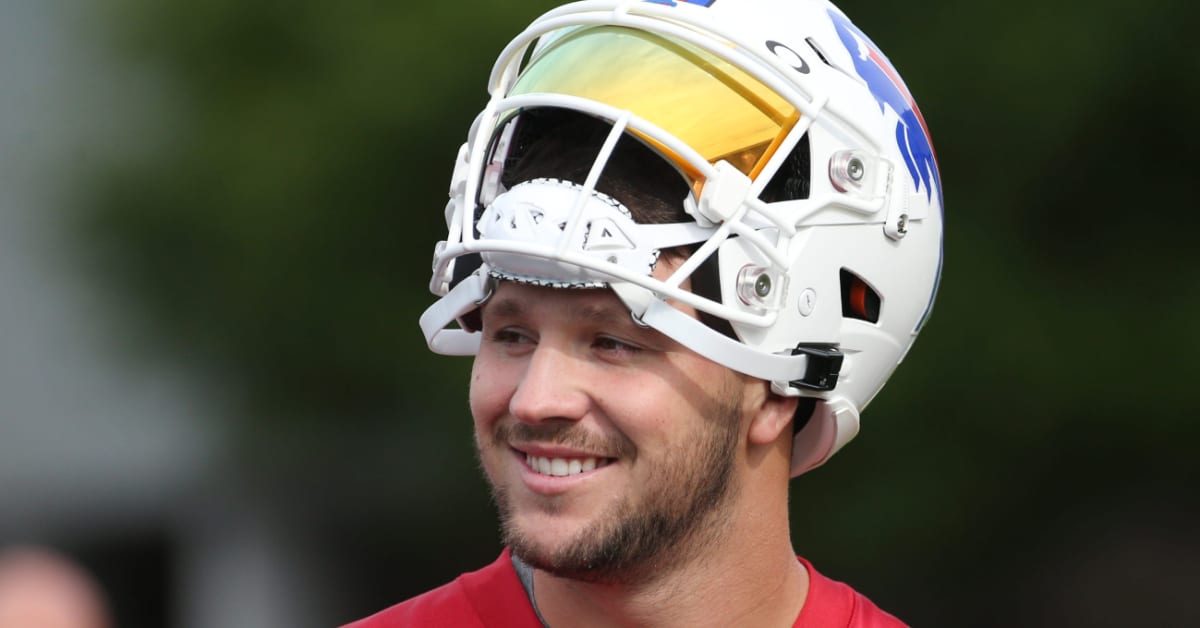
(551, 215)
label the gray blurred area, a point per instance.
(115, 461)
(216, 222)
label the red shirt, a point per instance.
(494, 598)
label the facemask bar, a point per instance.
(644, 295)
(473, 291)
(734, 218)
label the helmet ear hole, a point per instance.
(859, 300)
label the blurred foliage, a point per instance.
(277, 233)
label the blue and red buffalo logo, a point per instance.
(911, 133)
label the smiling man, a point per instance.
(688, 243)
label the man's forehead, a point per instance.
(599, 305)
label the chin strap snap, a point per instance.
(824, 366)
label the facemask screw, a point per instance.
(855, 169)
(762, 286)
(856, 172)
(758, 287)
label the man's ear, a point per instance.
(772, 416)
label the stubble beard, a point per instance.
(641, 538)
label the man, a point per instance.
(689, 241)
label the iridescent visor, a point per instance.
(714, 107)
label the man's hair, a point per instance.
(563, 144)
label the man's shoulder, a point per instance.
(492, 596)
(835, 604)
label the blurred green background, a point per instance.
(249, 195)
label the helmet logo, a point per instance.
(912, 136)
(789, 56)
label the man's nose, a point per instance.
(553, 386)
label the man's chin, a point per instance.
(566, 554)
(568, 566)
(539, 546)
(585, 553)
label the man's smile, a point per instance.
(553, 470)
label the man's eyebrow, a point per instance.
(593, 313)
(509, 306)
(504, 306)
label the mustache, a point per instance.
(564, 434)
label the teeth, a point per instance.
(558, 466)
(561, 467)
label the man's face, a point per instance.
(610, 448)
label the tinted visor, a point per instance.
(719, 110)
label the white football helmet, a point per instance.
(823, 290)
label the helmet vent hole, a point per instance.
(527, 55)
(859, 300)
(817, 49)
